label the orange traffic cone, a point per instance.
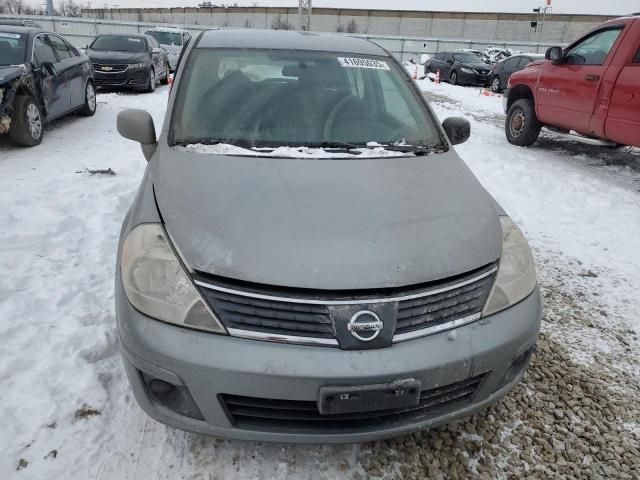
(438, 77)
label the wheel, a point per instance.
(27, 122)
(453, 78)
(89, 107)
(165, 78)
(495, 85)
(522, 126)
(151, 85)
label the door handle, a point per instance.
(592, 78)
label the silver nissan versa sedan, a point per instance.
(307, 258)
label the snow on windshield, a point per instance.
(290, 152)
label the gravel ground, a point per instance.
(567, 419)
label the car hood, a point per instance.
(113, 56)
(10, 73)
(327, 224)
(171, 48)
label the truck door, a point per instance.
(567, 92)
(623, 119)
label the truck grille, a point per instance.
(268, 313)
(253, 413)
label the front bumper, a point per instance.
(205, 368)
(135, 79)
(474, 78)
(505, 100)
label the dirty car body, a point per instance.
(43, 67)
(282, 278)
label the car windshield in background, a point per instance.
(166, 38)
(12, 48)
(255, 98)
(465, 57)
(119, 43)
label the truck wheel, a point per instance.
(522, 126)
(453, 79)
(27, 122)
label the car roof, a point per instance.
(128, 35)
(19, 29)
(288, 40)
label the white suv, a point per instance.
(172, 39)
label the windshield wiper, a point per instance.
(334, 144)
(417, 150)
(213, 141)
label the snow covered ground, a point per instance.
(66, 410)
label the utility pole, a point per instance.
(541, 16)
(50, 11)
(304, 14)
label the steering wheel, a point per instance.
(343, 104)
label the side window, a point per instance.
(636, 59)
(59, 46)
(594, 49)
(524, 61)
(510, 64)
(72, 50)
(43, 51)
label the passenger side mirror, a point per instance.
(450, 61)
(137, 125)
(457, 129)
(554, 54)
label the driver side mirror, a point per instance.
(48, 68)
(450, 61)
(554, 54)
(137, 125)
(457, 129)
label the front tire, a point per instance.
(90, 103)
(522, 126)
(495, 85)
(165, 78)
(453, 78)
(27, 124)
(151, 85)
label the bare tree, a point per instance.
(280, 23)
(69, 8)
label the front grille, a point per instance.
(271, 316)
(253, 413)
(111, 68)
(439, 309)
(269, 312)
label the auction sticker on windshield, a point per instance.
(363, 63)
(9, 35)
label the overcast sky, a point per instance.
(605, 7)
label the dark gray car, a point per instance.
(42, 77)
(307, 258)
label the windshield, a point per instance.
(119, 43)
(255, 98)
(12, 48)
(166, 38)
(465, 57)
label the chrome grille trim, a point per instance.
(424, 332)
(279, 338)
(346, 302)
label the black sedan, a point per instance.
(42, 77)
(462, 68)
(502, 70)
(130, 61)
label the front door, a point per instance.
(567, 91)
(70, 67)
(53, 83)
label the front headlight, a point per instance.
(516, 277)
(137, 66)
(156, 284)
(468, 70)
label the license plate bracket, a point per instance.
(404, 393)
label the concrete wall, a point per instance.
(491, 27)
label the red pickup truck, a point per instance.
(589, 91)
